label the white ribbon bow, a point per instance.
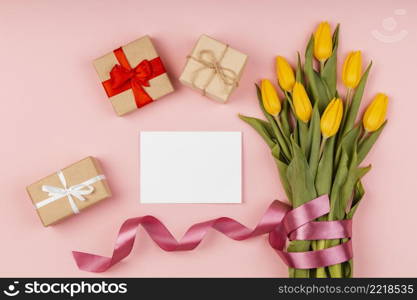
(78, 191)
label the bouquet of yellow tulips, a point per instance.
(316, 144)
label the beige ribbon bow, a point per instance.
(208, 60)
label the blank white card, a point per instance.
(190, 167)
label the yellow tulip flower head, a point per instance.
(323, 43)
(352, 69)
(285, 74)
(270, 99)
(301, 102)
(376, 113)
(331, 118)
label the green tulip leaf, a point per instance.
(282, 171)
(324, 92)
(299, 71)
(352, 113)
(284, 119)
(296, 133)
(349, 184)
(368, 142)
(337, 209)
(263, 128)
(316, 85)
(349, 142)
(275, 151)
(358, 194)
(277, 133)
(303, 137)
(302, 191)
(298, 174)
(261, 105)
(324, 175)
(329, 73)
(299, 246)
(360, 172)
(314, 138)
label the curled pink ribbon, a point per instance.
(280, 221)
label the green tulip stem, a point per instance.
(321, 272)
(322, 67)
(342, 130)
(276, 117)
(323, 143)
(279, 123)
(349, 94)
(363, 137)
(288, 96)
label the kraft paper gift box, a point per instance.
(213, 68)
(69, 191)
(133, 76)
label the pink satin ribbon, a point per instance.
(280, 221)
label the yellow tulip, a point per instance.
(323, 43)
(270, 99)
(331, 118)
(285, 74)
(352, 69)
(376, 112)
(301, 102)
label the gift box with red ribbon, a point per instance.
(133, 76)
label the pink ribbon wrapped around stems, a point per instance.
(280, 221)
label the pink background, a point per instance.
(55, 112)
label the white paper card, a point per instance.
(190, 167)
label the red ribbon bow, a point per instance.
(136, 77)
(123, 77)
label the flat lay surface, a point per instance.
(55, 112)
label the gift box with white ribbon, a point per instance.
(68, 191)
